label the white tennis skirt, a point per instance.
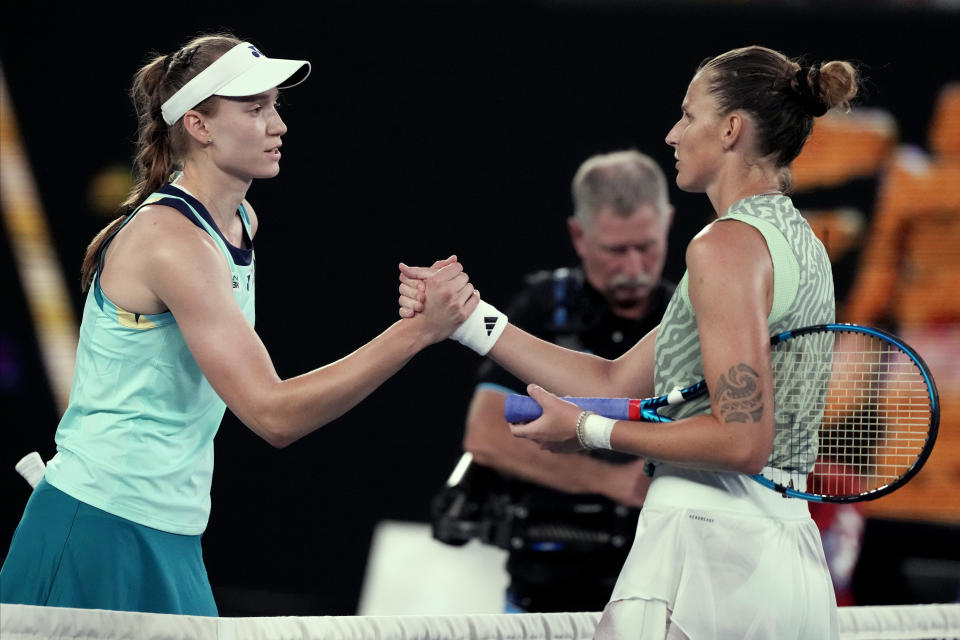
(719, 556)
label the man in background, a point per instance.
(572, 516)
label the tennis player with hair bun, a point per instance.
(167, 342)
(716, 555)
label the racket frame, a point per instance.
(647, 410)
(872, 494)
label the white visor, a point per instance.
(242, 71)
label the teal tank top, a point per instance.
(136, 439)
(803, 295)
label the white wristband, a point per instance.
(481, 329)
(597, 430)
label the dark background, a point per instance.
(425, 129)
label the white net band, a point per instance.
(22, 622)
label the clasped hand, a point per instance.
(555, 430)
(441, 294)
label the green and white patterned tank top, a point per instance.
(802, 295)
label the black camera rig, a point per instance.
(478, 502)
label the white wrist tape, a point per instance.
(597, 430)
(481, 329)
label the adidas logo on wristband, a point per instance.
(482, 328)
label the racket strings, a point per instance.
(853, 411)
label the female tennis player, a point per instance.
(716, 555)
(167, 341)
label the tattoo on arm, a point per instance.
(738, 395)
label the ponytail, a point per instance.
(160, 147)
(153, 162)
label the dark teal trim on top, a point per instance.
(241, 257)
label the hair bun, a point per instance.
(838, 83)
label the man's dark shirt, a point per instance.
(563, 308)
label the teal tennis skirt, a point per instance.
(66, 553)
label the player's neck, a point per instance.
(742, 183)
(219, 192)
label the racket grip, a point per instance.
(524, 408)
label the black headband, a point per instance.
(808, 95)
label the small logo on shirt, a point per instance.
(236, 282)
(694, 516)
(490, 322)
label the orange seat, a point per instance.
(843, 146)
(909, 265)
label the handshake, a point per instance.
(442, 297)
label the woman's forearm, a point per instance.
(294, 407)
(566, 372)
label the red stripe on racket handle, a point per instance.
(524, 408)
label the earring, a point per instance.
(209, 140)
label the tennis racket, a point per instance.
(856, 408)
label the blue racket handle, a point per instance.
(524, 408)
